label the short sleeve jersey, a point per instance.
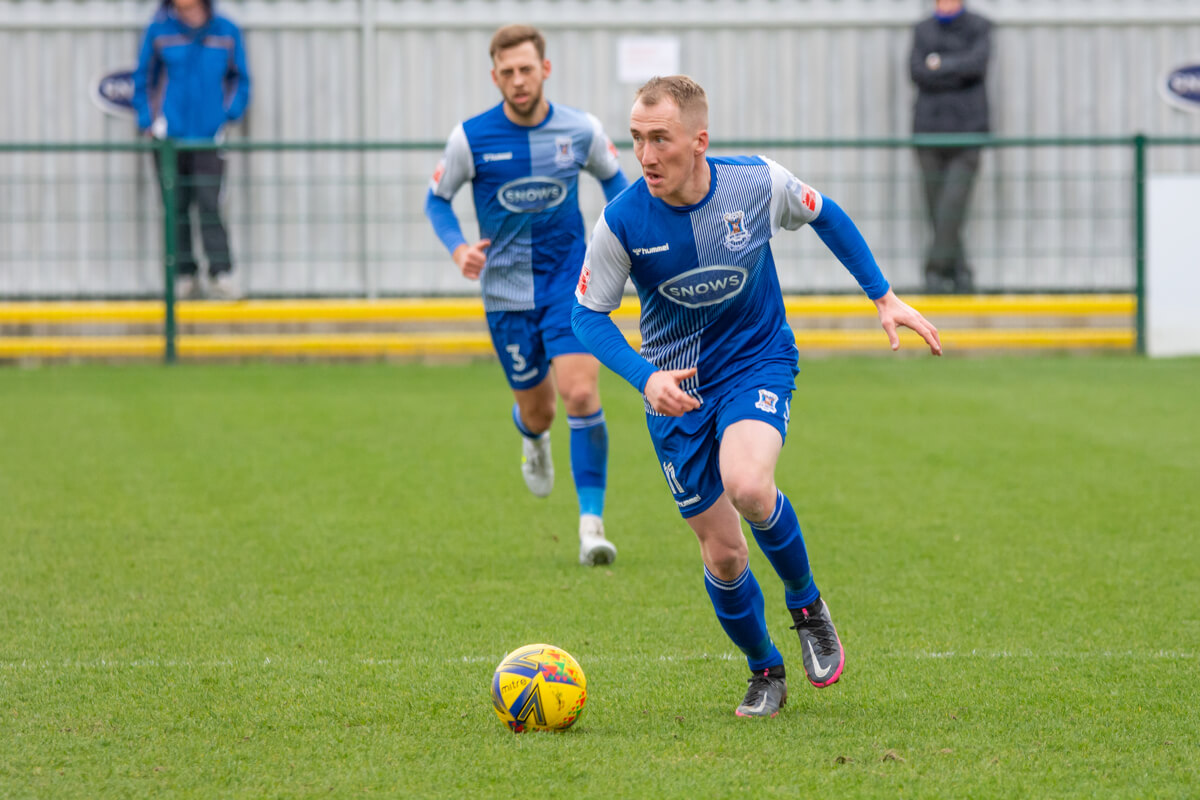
(525, 182)
(704, 273)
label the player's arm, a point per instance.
(794, 203)
(456, 168)
(841, 235)
(601, 284)
(604, 162)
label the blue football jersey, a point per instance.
(704, 273)
(525, 182)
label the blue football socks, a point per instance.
(516, 417)
(589, 460)
(739, 607)
(781, 541)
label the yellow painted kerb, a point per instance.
(449, 310)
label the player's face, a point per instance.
(191, 12)
(949, 7)
(670, 151)
(519, 73)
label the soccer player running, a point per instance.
(718, 359)
(523, 159)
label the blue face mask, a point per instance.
(945, 18)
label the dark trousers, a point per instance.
(948, 173)
(200, 175)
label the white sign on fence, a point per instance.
(640, 58)
(1172, 265)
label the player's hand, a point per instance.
(933, 61)
(471, 258)
(894, 312)
(664, 394)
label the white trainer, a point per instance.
(225, 287)
(537, 466)
(594, 549)
(186, 287)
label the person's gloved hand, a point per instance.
(158, 129)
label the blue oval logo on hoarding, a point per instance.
(113, 93)
(1181, 87)
(704, 286)
(530, 195)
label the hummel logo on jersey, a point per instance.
(498, 156)
(645, 251)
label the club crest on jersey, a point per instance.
(704, 286)
(564, 152)
(736, 235)
(766, 401)
(532, 194)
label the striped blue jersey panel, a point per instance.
(710, 298)
(526, 192)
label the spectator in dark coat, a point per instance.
(949, 64)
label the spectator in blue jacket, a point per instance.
(192, 67)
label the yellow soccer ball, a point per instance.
(539, 687)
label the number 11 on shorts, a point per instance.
(672, 481)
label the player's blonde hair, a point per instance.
(513, 35)
(688, 96)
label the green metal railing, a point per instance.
(168, 182)
(1139, 236)
(345, 218)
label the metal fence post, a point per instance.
(1139, 235)
(168, 174)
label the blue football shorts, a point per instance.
(527, 341)
(689, 447)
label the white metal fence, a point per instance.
(408, 70)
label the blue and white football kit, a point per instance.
(710, 299)
(525, 182)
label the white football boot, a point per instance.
(536, 465)
(594, 549)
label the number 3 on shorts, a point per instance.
(518, 360)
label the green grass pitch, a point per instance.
(296, 580)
